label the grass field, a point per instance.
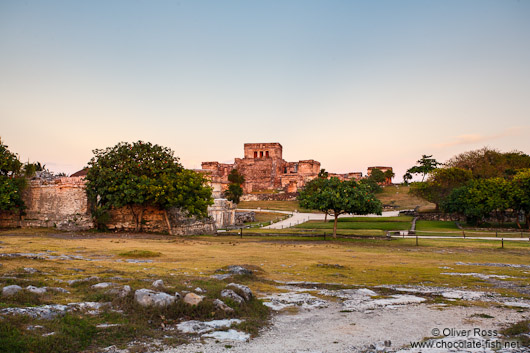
(436, 225)
(392, 225)
(398, 196)
(188, 262)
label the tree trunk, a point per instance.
(335, 225)
(326, 217)
(141, 217)
(135, 217)
(167, 222)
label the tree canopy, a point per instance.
(426, 164)
(490, 163)
(234, 191)
(336, 197)
(141, 174)
(12, 180)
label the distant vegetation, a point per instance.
(479, 184)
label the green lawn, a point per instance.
(436, 225)
(393, 225)
(376, 219)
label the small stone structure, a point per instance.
(61, 202)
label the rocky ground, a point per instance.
(306, 316)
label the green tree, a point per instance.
(141, 174)
(235, 191)
(426, 164)
(521, 195)
(12, 181)
(490, 163)
(338, 197)
(377, 175)
(479, 199)
(440, 183)
(389, 174)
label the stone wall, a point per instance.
(223, 213)
(154, 220)
(60, 203)
(282, 196)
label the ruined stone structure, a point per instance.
(62, 203)
(268, 174)
(264, 169)
(58, 202)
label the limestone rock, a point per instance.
(11, 290)
(239, 270)
(158, 283)
(228, 293)
(193, 299)
(243, 290)
(36, 290)
(219, 304)
(102, 285)
(147, 297)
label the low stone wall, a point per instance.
(439, 216)
(244, 217)
(60, 203)
(282, 196)
(154, 220)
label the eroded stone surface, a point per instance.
(193, 299)
(147, 297)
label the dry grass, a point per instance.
(366, 262)
(398, 196)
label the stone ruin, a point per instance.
(266, 173)
(62, 203)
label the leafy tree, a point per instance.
(377, 175)
(338, 197)
(490, 163)
(235, 190)
(440, 183)
(389, 174)
(12, 180)
(425, 165)
(479, 198)
(521, 195)
(323, 173)
(141, 174)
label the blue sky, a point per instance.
(348, 83)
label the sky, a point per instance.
(350, 84)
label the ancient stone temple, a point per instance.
(264, 169)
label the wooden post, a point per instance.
(241, 233)
(496, 234)
(416, 239)
(325, 236)
(502, 242)
(463, 233)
